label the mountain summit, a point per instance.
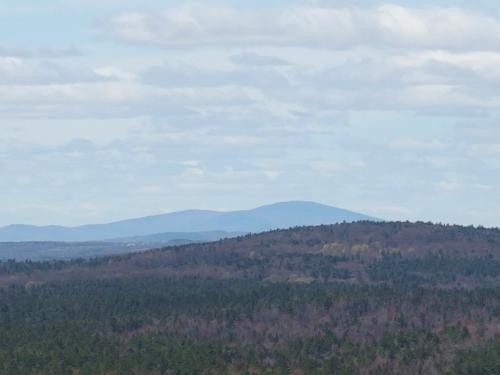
(273, 216)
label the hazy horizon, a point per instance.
(194, 210)
(141, 216)
(121, 109)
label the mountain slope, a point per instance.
(274, 216)
(352, 298)
(364, 252)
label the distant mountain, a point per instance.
(274, 216)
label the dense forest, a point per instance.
(359, 298)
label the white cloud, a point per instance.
(484, 150)
(191, 163)
(151, 189)
(255, 59)
(175, 76)
(425, 81)
(46, 52)
(16, 71)
(312, 26)
(110, 100)
(448, 185)
(375, 108)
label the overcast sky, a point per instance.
(112, 109)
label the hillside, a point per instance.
(359, 252)
(364, 297)
(279, 215)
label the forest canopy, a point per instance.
(373, 298)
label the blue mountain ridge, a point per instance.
(268, 217)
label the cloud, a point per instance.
(484, 150)
(313, 26)
(390, 110)
(447, 186)
(176, 76)
(16, 71)
(428, 83)
(111, 100)
(254, 59)
(46, 52)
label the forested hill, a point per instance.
(360, 298)
(362, 252)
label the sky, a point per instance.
(125, 108)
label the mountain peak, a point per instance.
(272, 216)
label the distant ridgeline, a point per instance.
(274, 216)
(28, 242)
(350, 298)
